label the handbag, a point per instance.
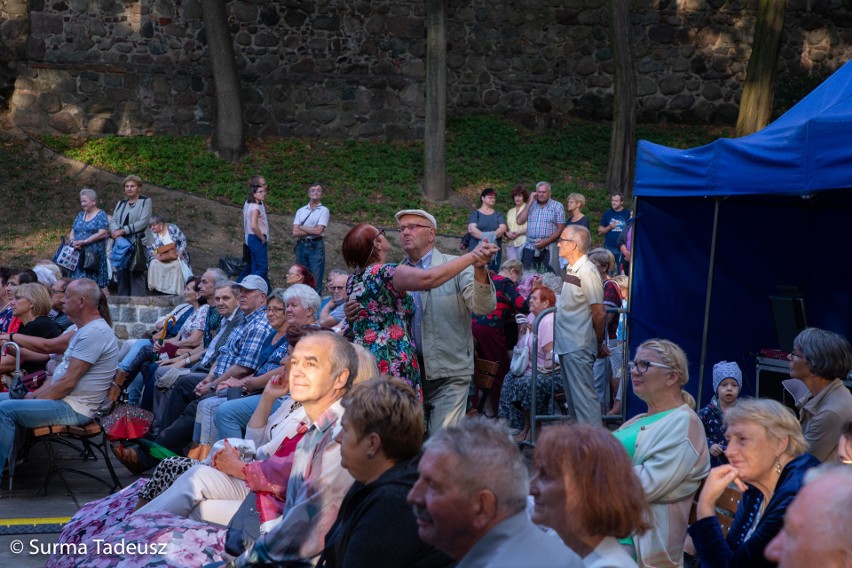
(140, 259)
(168, 253)
(91, 260)
(520, 357)
(244, 528)
(58, 249)
(21, 385)
(232, 265)
(465, 240)
(122, 253)
(68, 257)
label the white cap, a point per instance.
(418, 213)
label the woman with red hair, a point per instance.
(514, 404)
(299, 274)
(585, 489)
(383, 322)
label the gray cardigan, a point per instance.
(133, 219)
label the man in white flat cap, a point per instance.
(441, 325)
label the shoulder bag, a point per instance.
(91, 259)
(520, 357)
(168, 253)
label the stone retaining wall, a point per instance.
(132, 316)
(355, 68)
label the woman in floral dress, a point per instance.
(383, 322)
(88, 235)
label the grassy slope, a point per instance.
(372, 180)
(365, 180)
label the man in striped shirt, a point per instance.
(545, 218)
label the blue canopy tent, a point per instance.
(719, 228)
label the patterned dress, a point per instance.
(383, 322)
(714, 427)
(83, 230)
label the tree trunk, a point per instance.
(622, 144)
(435, 174)
(759, 90)
(227, 140)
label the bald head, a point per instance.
(816, 525)
(582, 236)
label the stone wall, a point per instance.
(355, 68)
(132, 316)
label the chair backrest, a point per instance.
(726, 507)
(484, 375)
(114, 393)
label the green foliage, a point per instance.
(373, 180)
(27, 226)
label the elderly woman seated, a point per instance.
(767, 462)
(515, 399)
(822, 359)
(165, 253)
(585, 489)
(382, 431)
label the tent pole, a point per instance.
(707, 301)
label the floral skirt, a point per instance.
(515, 395)
(105, 533)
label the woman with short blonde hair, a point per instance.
(573, 213)
(767, 463)
(31, 304)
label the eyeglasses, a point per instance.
(275, 310)
(411, 227)
(642, 366)
(381, 233)
(794, 355)
(55, 291)
(561, 240)
(333, 288)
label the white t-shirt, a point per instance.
(308, 217)
(93, 343)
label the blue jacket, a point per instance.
(714, 550)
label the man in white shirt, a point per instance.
(309, 224)
(580, 325)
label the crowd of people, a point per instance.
(303, 430)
